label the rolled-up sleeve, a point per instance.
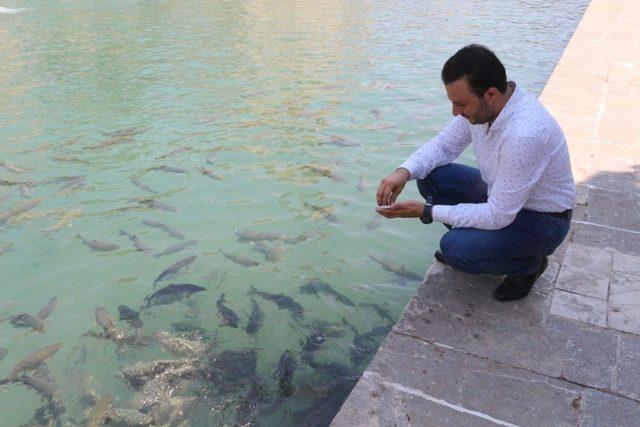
(441, 150)
(521, 164)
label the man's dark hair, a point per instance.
(479, 66)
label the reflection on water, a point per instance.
(187, 192)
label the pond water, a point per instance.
(191, 124)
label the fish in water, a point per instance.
(98, 413)
(131, 131)
(170, 230)
(246, 262)
(286, 368)
(175, 268)
(375, 222)
(282, 301)
(98, 246)
(131, 316)
(253, 236)
(65, 220)
(137, 242)
(104, 319)
(316, 286)
(397, 269)
(341, 141)
(175, 152)
(210, 173)
(135, 181)
(158, 205)
(177, 248)
(362, 184)
(172, 293)
(45, 388)
(326, 172)
(35, 359)
(170, 169)
(12, 167)
(3, 352)
(229, 317)
(325, 211)
(4, 216)
(382, 312)
(25, 320)
(255, 319)
(271, 254)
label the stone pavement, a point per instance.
(568, 354)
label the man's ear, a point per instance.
(491, 94)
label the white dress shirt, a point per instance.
(523, 158)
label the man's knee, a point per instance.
(429, 184)
(458, 251)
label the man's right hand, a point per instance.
(391, 186)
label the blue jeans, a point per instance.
(516, 250)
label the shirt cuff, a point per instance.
(441, 213)
(411, 166)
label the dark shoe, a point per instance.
(439, 257)
(515, 288)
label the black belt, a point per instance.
(563, 215)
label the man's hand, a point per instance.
(391, 186)
(406, 209)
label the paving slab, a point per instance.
(626, 241)
(624, 312)
(628, 369)
(626, 263)
(625, 215)
(579, 307)
(585, 270)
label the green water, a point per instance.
(260, 89)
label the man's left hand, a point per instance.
(405, 209)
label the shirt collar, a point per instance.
(509, 107)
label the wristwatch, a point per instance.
(426, 217)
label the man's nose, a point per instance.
(455, 110)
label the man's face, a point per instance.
(464, 102)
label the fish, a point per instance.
(127, 417)
(10, 183)
(286, 368)
(47, 309)
(210, 159)
(316, 286)
(98, 246)
(399, 270)
(177, 248)
(158, 205)
(25, 320)
(325, 211)
(382, 312)
(72, 184)
(172, 293)
(137, 242)
(35, 359)
(252, 236)
(3, 352)
(131, 131)
(229, 317)
(175, 268)
(271, 254)
(179, 346)
(139, 184)
(341, 141)
(45, 388)
(4, 216)
(170, 230)
(282, 301)
(362, 184)
(374, 222)
(98, 413)
(375, 113)
(255, 319)
(131, 316)
(327, 173)
(104, 319)
(246, 262)
(12, 167)
(170, 169)
(175, 152)
(210, 173)
(65, 220)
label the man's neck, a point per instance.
(503, 101)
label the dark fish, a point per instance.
(399, 270)
(229, 317)
(131, 131)
(99, 246)
(382, 312)
(131, 316)
(4, 216)
(341, 141)
(172, 293)
(104, 319)
(170, 230)
(3, 352)
(45, 388)
(175, 268)
(271, 254)
(282, 301)
(137, 242)
(326, 211)
(240, 260)
(253, 236)
(158, 205)
(73, 184)
(170, 169)
(139, 184)
(99, 411)
(255, 319)
(286, 368)
(25, 320)
(175, 152)
(210, 173)
(36, 358)
(177, 248)
(316, 286)
(47, 309)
